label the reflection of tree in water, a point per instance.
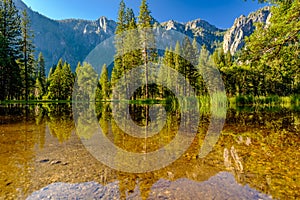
(60, 120)
(19, 137)
(139, 113)
(275, 118)
(104, 117)
(263, 143)
(262, 148)
(267, 143)
(86, 120)
(40, 120)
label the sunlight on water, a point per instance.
(257, 153)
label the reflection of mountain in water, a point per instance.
(220, 186)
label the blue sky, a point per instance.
(220, 13)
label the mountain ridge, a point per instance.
(73, 39)
(242, 27)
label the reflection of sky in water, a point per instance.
(258, 149)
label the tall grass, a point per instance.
(268, 101)
(295, 100)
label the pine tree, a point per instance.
(38, 89)
(77, 91)
(27, 61)
(61, 82)
(55, 82)
(51, 71)
(195, 51)
(178, 63)
(224, 62)
(87, 82)
(118, 69)
(147, 41)
(67, 82)
(209, 79)
(41, 71)
(121, 22)
(189, 70)
(104, 83)
(10, 34)
(132, 56)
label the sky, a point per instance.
(220, 13)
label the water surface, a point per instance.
(258, 146)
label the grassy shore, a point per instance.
(269, 101)
(204, 100)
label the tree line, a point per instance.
(267, 65)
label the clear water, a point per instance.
(259, 147)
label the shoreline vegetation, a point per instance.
(265, 72)
(237, 101)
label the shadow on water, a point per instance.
(259, 147)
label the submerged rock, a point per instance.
(89, 190)
(221, 186)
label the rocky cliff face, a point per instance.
(242, 27)
(73, 39)
(70, 39)
(205, 33)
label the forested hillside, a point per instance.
(265, 63)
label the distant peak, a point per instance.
(198, 20)
(103, 18)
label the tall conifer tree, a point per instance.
(27, 61)
(118, 69)
(147, 40)
(10, 34)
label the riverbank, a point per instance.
(205, 99)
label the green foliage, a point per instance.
(267, 66)
(68, 80)
(272, 52)
(272, 1)
(39, 90)
(269, 63)
(167, 76)
(60, 121)
(264, 101)
(54, 92)
(26, 61)
(145, 18)
(61, 82)
(119, 66)
(188, 65)
(41, 74)
(129, 36)
(205, 70)
(147, 41)
(103, 89)
(10, 34)
(86, 82)
(125, 40)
